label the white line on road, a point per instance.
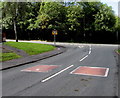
(56, 74)
(90, 49)
(106, 74)
(89, 75)
(80, 46)
(83, 58)
(89, 52)
(75, 69)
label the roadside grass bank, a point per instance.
(8, 56)
(31, 48)
(118, 51)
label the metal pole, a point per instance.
(54, 39)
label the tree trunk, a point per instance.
(15, 30)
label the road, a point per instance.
(60, 81)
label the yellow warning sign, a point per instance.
(54, 32)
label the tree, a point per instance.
(105, 19)
(105, 24)
(51, 15)
(74, 21)
(32, 14)
(89, 9)
(11, 12)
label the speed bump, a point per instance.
(91, 71)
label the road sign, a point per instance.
(54, 32)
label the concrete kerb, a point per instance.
(30, 59)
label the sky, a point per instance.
(113, 3)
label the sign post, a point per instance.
(54, 40)
(54, 32)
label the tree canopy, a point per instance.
(75, 21)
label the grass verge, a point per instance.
(31, 48)
(118, 51)
(8, 56)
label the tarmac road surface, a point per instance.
(60, 81)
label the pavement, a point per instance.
(6, 48)
(26, 58)
(64, 43)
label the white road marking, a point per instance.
(90, 49)
(80, 46)
(58, 48)
(89, 52)
(56, 74)
(94, 67)
(25, 70)
(106, 74)
(37, 69)
(83, 58)
(75, 69)
(90, 75)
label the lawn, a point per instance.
(119, 51)
(8, 56)
(31, 48)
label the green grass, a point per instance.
(31, 48)
(8, 56)
(119, 51)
